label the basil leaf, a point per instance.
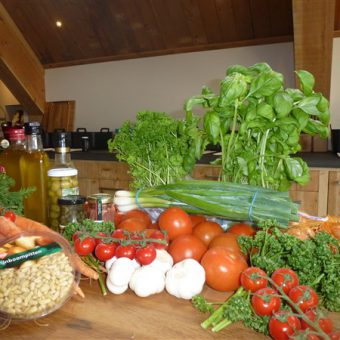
(232, 88)
(266, 84)
(307, 81)
(264, 110)
(302, 117)
(309, 105)
(283, 104)
(212, 125)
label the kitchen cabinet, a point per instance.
(321, 196)
(101, 176)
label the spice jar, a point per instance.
(71, 210)
(100, 207)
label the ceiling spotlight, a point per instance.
(58, 23)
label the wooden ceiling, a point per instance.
(103, 30)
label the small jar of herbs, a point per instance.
(71, 210)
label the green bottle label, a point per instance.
(32, 254)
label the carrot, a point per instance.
(78, 291)
(8, 228)
(84, 268)
(29, 225)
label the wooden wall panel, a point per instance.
(20, 70)
(313, 45)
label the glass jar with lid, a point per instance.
(100, 207)
(71, 210)
(61, 182)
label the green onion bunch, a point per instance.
(232, 201)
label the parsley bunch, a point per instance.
(158, 148)
(316, 261)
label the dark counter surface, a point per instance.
(314, 160)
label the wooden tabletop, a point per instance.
(127, 316)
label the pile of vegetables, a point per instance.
(257, 124)
(158, 148)
(231, 201)
(315, 260)
(276, 305)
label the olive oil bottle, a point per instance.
(10, 157)
(33, 169)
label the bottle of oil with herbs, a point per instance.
(34, 164)
(10, 156)
(62, 179)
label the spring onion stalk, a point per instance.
(231, 201)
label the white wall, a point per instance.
(107, 94)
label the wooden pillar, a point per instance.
(313, 45)
(20, 69)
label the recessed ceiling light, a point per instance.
(58, 23)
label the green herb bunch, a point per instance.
(12, 200)
(257, 123)
(158, 148)
(316, 261)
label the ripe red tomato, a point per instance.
(128, 251)
(285, 278)
(325, 323)
(207, 231)
(146, 255)
(304, 296)
(283, 324)
(335, 335)
(226, 240)
(175, 221)
(105, 251)
(10, 215)
(196, 219)
(84, 247)
(242, 229)
(132, 224)
(99, 239)
(159, 235)
(265, 301)
(118, 234)
(140, 214)
(223, 268)
(187, 247)
(253, 279)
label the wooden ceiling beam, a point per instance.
(20, 69)
(313, 40)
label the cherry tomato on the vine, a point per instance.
(159, 235)
(99, 239)
(128, 251)
(196, 219)
(118, 234)
(265, 301)
(10, 215)
(253, 279)
(84, 247)
(146, 255)
(305, 297)
(105, 251)
(283, 324)
(325, 323)
(285, 278)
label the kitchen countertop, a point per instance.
(314, 160)
(127, 316)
